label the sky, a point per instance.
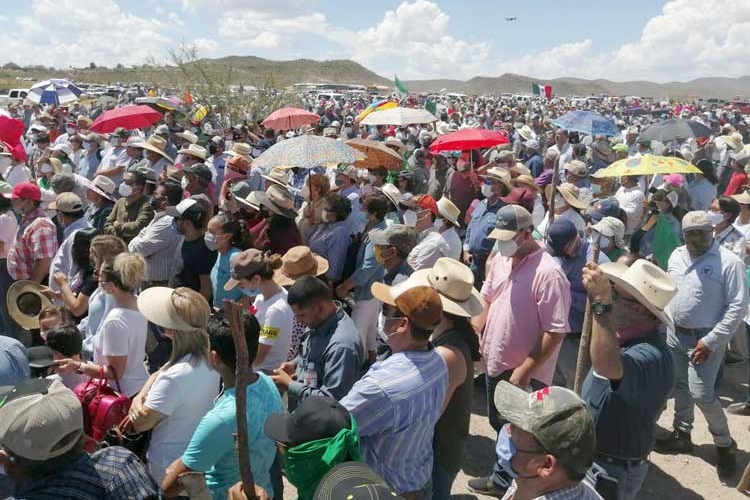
(655, 40)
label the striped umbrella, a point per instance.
(54, 91)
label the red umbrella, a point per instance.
(11, 129)
(467, 139)
(289, 119)
(128, 117)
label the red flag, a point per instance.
(548, 91)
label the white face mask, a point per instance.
(596, 188)
(184, 182)
(5, 161)
(410, 218)
(487, 190)
(559, 201)
(715, 217)
(438, 224)
(507, 248)
(125, 190)
(71, 130)
(45, 168)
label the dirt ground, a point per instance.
(683, 477)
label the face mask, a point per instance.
(114, 141)
(715, 217)
(324, 215)
(559, 201)
(155, 204)
(339, 182)
(46, 168)
(70, 130)
(5, 161)
(507, 248)
(410, 218)
(184, 183)
(596, 188)
(250, 292)
(506, 450)
(487, 190)
(87, 146)
(125, 190)
(210, 240)
(438, 224)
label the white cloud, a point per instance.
(264, 30)
(277, 6)
(205, 46)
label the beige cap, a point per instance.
(68, 203)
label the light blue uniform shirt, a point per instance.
(220, 274)
(212, 448)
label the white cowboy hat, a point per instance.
(239, 149)
(392, 193)
(188, 136)
(454, 283)
(499, 174)
(442, 128)
(25, 301)
(278, 175)
(647, 283)
(448, 211)
(195, 151)
(526, 133)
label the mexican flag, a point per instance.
(400, 89)
(537, 89)
(431, 107)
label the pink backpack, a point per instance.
(103, 408)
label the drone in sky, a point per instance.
(511, 18)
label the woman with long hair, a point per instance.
(75, 293)
(227, 236)
(175, 398)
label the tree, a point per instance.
(11, 65)
(119, 67)
(92, 65)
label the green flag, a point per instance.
(400, 89)
(535, 89)
(431, 107)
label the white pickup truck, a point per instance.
(14, 96)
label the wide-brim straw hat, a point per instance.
(297, 262)
(278, 175)
(448, 211)
(277, 199)
(526, 181)
(158, 145)
(392, 193)
(651, 286)
(195, 151)
(571, 193)
(156, 304)
(454, 283)
(499, 174)
(527, 133)
(25, 301)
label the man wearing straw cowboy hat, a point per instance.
(155, 151)
(631, 369)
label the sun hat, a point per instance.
(448, 211)
(697, 220)
(61, 147)
(316, 417)
(392, 193)
(239, 149)
(509, 220)
(275, 198)
(503, 156)
(526, 181)
(401, 236)
(733, 141)
(67, 203)
(396, 143)
(200, 170)
(651, 286)
(120, 132)
(743, 198)
(103, 186)
(25, 301)
(577, 168)
(611, 227)
(570, 194)
(278, 175)
(195, 151)
(156, 144)
(243, 265)
(454, 283)
(157, 305)
(25, 191)
(499, 174)
(526, 133)
(329, 132)
(188, 136)
(240, 190)
(442, 128)
(418, 302)
(251, 199)
(297, 262)
(519, 169)
(557, 418)
(353, 481)
(347, 170)
(40, 419)
(520, 196)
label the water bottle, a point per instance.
(311, 375)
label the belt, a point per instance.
(692, 331)
(627, 462)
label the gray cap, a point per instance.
(403, 237)
(697, 220)
(556, 417)
(240, 189)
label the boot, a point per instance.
(739, 408)
(727, 459)
(677, 442)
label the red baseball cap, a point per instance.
(427, 202)
(25, 191)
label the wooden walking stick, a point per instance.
(744, 485)
(584, 356)
(242, 375)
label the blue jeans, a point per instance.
(694, 385)
(629, 477)
(442, 482)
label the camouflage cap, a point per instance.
(556, 417)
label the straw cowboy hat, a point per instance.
(195, 151)
(733, 141)
(571, 193)
(448, 211)
(297, 262)
(158, 145)
(454, 283)
(396, 143)
(277, 199)
(526, 133)
(25, 301)
(498, 174)
(526, 181)
(239, 149)
(156, 304)
(442, 128)
(647, 283)
(392, 193)
(278, 175)
(188, 136)
(743, 198)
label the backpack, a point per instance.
(103, 408)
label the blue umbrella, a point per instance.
(587, 122)
(54, 91)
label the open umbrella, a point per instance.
(307, 151)
(674, 129)
(54, 91)
(377, 155)
(128, 117)
(161, 104)
(290, 119)
(467, 139)
(399, 116)
(587, 122)
(648, 165)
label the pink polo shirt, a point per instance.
(532, 298)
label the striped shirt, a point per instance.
(158, 243)
(36, 239)
(396, 405)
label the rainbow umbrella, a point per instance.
(376, 106)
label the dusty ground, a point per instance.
(683, 477)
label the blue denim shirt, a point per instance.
(367, 270)
(480, 226)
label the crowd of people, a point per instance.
(374, 300)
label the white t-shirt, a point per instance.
(451, 244)
(184, 393)
(123, 333)
(631, 201)
(8, 229)
(276, 321)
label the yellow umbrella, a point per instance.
(377, 154)
(648, 165)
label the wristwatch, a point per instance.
(601, 308)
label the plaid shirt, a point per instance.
(113, 473)
(36, 239)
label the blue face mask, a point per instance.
(506, 450)
(250, 292)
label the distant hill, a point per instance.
(251, 70)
